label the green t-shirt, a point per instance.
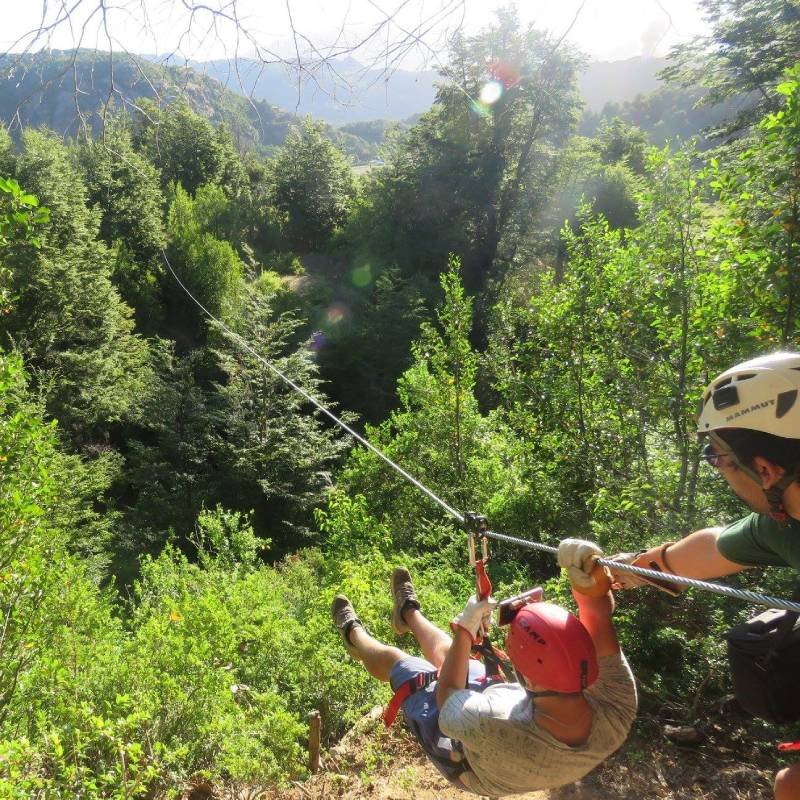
(758, 540)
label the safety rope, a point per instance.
(728, 591)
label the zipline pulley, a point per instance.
(496, 661)
(477, 526)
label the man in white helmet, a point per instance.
(750, 418)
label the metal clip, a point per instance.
(477, 526)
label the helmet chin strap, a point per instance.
(774, 494)
(544, 693)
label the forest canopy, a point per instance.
(521, 316)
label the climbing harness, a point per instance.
(404, 691)
(692, 583)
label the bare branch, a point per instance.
(208, 26)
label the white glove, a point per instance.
(476, 616)
(577, 557)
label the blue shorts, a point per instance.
(422, 713)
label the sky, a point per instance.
(604, 29)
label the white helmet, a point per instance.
(759, 395)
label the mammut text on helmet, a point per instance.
(754, 407)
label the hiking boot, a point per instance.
(404, 597)
(344, 618)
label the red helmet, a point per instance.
(551, 648)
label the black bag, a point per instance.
(764, 656)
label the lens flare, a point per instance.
(318, 341)
(506, 73)
(361, 276)
(336, 313)
(491, 92)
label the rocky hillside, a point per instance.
(70, 91)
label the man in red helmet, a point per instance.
(573, 706)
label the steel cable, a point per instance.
(691, 583)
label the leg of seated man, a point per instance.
(378, 658)
(433, 642)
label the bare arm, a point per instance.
(694, 556)
(455, 669)
(595, 614)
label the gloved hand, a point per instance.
(578, 557)
(649, 559)
(476, 616)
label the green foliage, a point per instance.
(69, 321)
(209, 267)
(756, 235)
(187, 149)
(20, 213)
(275, 453)
(473, 177)
(227, 538)
(618, 142)
(312, 186)
(750, 46)
(124, 185)
(440, 436)
(365, 353)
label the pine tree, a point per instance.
(69, 322)
(124, 186)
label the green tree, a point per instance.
(20, 214)
(187, 149)
(125, 187)
(751, 44)
(208, 267)
(170, 458)
(363, 356)
(598, 371)
(312, 186)
(618, 142)
(475, 174)
(274, 454)
(70, 324)
(757, 237)
(441, 437)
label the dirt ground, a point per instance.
(731, 758)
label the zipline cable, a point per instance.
(311, 399)
(727, 591)
(691, 583)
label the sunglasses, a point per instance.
(712, 457)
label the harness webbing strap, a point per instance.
(421, 681)
(404, 691)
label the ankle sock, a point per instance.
(408, 604)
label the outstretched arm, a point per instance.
(591, 588)
(696, 556)
(467, 628)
